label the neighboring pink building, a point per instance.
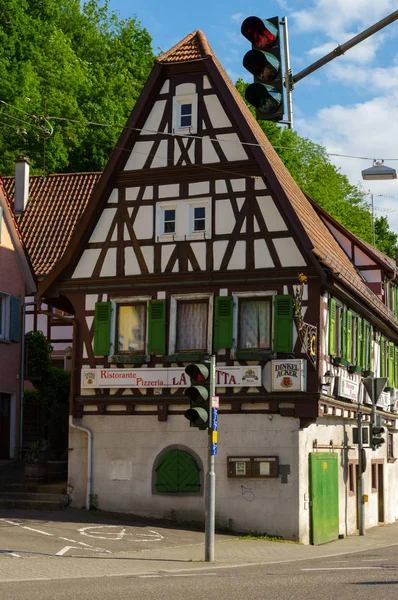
(16, 280)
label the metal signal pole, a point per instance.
(210, 499)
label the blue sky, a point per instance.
(350, 106)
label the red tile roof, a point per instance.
(55, 205)
(193, 47)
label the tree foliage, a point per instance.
(311, 168)
(70, 60)
(51, 392)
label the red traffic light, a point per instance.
(262, 34)
(197, 372)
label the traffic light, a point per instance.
(377, 440)
(264, 62)
(198, 393)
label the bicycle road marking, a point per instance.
(63, 550)
(118, 532)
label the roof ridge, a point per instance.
(194, 46)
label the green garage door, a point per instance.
(324, 497)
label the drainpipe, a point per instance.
(89, 457)
(22, 376)
(73, 322)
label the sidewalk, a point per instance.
(230, 552)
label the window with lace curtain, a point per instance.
(192, 318)
(254, 329)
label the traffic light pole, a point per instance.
(288, 75)
(346, 46)
(361, 503)
(210, 499)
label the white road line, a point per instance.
(190, 574)
(13, 554)
(68, 540)
(37, 530)
(65, 550)
(148, 576)
(341, 569)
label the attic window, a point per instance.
(185, 113)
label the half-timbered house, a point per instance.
(196, 240)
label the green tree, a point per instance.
(73, 61)
(322, 181)
(386, 240)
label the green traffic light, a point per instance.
(199, 394)
(264, 97)
(262, 65)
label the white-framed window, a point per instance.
(4, 316)
(253, 320)
(185, 113)
(191, 318)
(129, 325)
(183, 220)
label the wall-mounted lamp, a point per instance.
(68, 352)
(328, 378)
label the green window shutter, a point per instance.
(223, 319)
(102, 328)
(391, 364)
(332, 326)
(382, 357)
(370, 350)
(177, 471)
(344, 334)
(349, 320)
(157, 327)
(396, 366)
(358, 358)
(15, 318)
(365, 343)
(283, 323)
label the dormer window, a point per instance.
(185, 113)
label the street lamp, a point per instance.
(379, 171)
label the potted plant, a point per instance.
(35, 468)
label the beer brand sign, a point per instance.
(287, 376)
(166, 378)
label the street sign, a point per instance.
(374, 386)
(214, 432)
(215, 401)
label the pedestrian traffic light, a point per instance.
(199, 394)
(377, 440)
(264, 62)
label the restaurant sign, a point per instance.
(166, 377)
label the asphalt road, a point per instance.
(352, 577)
(92, 556)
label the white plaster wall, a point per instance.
(134, 443)
(271, 214)
(103, 225)
(86, 264)
(216, 112)
(152, 123)
(231, 146)
(289, 254)
(339, 430)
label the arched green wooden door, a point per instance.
(177, 471)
